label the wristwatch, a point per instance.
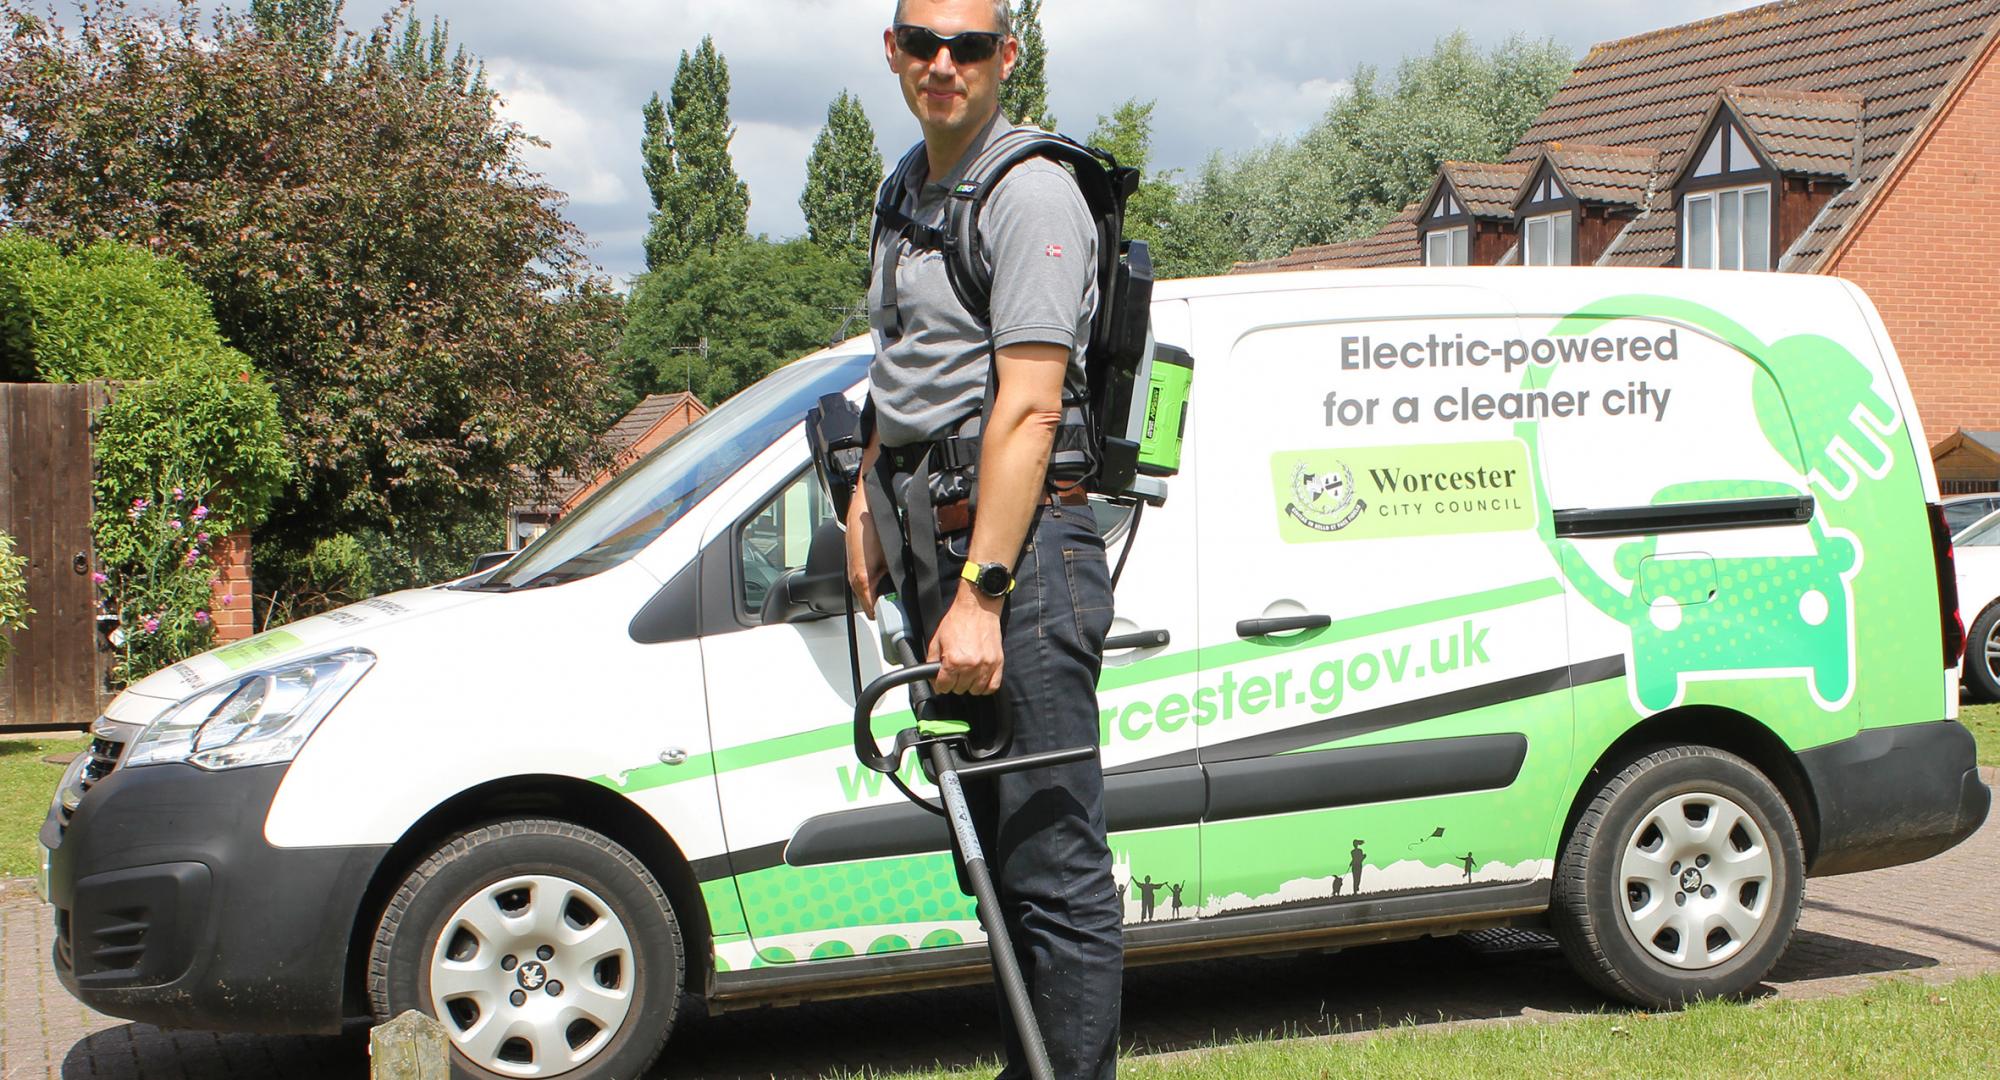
(993, 579)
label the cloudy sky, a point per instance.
(1227, 75)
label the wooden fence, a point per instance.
(55, 677)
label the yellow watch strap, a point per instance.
(970, 572)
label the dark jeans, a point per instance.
(1044, 829)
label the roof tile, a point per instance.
(1831, 87)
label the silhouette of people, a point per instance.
(1175, 899)
(1468, 865)
(1357, 859)
(1120, 887)
(1148, 889)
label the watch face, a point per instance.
(994, 579)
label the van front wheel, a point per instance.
(544, 948)
(1681, 880)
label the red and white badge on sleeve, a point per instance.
(1053, 251)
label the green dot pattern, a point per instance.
(801, 899)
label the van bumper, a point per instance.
(171, 909)
(1894, 795)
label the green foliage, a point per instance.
(1024, 97)
(1374, 151)
(14, 609)
(367, 231)
(190, 448)
(335, 573)
(699, 202)
(310, 26)
(841, 180)
(109, 311)
(755, 305)
(1181, 235)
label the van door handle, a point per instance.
(1139, 639)
(1249, 628)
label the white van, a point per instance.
(1612, 602)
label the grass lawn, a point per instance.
(1901, 1029)
(27, 783)
(1984, 720)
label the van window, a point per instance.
(628, 513)
(776, 538)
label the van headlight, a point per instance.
(259, 718)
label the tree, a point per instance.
(311, 26)
(721, 320)
(841, 180)
(1181, 235)
(699, 203)
(1024, 97)
(1376, 149)
(368, 234)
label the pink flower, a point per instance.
(201, 617)
(214, 582)
(179, 494)
(140, 504)
(193, 557)
(176, 523)
(201, 513)
(203, 537)
(228, 598)
(98, 578)
(152, 625)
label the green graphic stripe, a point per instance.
(835, 736)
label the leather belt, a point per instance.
(956, 517)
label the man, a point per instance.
(1030, 654)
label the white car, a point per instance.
(1977, 552)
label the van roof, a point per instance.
(1540, 289)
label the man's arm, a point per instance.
(1013, 466)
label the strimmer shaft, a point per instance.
(944, 762)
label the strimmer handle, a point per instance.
(864, 708)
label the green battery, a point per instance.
(1165, 422)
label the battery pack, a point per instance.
(1163, 423)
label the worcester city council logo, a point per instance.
(1325, 500)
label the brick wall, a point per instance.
(231, 609)
(1930, 258)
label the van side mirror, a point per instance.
(818, 590)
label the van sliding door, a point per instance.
(1383, 710)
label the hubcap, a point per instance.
(532, 976)
(1696, 880)
(1993, 653)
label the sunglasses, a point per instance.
(970, 47)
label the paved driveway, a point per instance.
(1936, 920)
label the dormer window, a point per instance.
(1728, 229)
(1447, 230)
(1727, 201)
(1448, 247)
(1548, 221)
(1549, 240)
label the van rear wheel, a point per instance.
(543, 947)
(1681, 880)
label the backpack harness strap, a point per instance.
(917, 479)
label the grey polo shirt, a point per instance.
(1038, 239)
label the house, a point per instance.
(1859, 138)
(652, 422)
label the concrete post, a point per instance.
(413, 1046)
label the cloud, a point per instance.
(1227, 75)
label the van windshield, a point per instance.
(629, 512)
